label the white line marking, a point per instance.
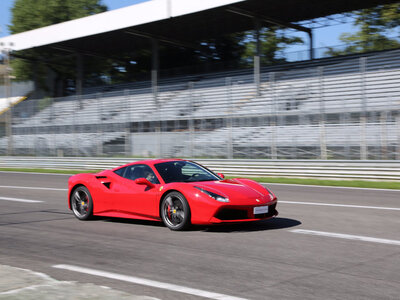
(31, 188)
(347, 236)
(330, 187)
(48, 281)
(28, 288)
(20, 200)
(147, 282)
(340, 205)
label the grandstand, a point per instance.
(344, 107)
(332, 108)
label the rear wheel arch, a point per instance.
(72, 192)
(82, 207)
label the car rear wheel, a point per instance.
(175, 211)
(82, 203)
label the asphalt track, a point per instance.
(347, 247)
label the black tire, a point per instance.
(82, 203)
(175, 211)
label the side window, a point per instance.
(141, 171)
(120, 171)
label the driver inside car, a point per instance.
(149, 176)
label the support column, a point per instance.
(100, 134)
(363, 115)
(128, 142)
(8, 114)
(154, 69)
(383, 128)
(154, 87)
(322, 132)
(191, 121)
(398, 136)
(257, 62)
(311, 39)
(274, 115)
(228, 83)
(79, 74)
(36, 85)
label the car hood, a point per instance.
(237, 192)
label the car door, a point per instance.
(137, 199)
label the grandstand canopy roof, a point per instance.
(179, 22)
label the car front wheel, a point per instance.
(175, 211)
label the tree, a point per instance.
(228, 48)
(273, 42)
(374, 25)
(32, 14)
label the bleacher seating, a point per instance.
(335, 88)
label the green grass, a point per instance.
(319, 182)
(326, 182)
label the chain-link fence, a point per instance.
(345, 110)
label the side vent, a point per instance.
(106, 184)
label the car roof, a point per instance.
(150, 162)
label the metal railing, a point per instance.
(365, 170)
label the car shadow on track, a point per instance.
(129, 221)
(271, 224)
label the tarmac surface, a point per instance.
(22, 284)
(326, 243)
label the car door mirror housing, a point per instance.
(144, 181)
(221, 175)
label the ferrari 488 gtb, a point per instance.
(178, 192)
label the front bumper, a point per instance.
(233, 214)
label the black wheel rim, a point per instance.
(173, 211)
(80, 203)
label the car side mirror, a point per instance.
(144, 181)
(221, 175)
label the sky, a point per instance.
(328, 36)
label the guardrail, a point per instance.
(332, 169)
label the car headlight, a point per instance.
(213, 195)
(271, 194)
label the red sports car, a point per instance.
(178, 192)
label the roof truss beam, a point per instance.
(163, 39)
(74, 52)
(266, 19)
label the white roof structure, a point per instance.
(142, 13)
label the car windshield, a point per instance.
(184, 171)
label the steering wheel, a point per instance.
(195, 175)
